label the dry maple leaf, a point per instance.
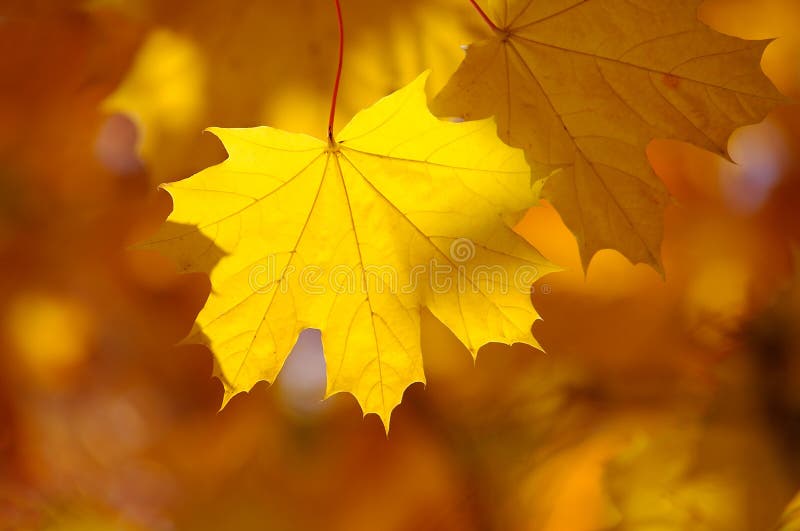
(406, 211)
(585, 85)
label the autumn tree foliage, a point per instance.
(573, 221)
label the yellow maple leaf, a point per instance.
(585, 85)
(406, 211)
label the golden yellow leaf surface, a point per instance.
(585, 85)
(355, 238)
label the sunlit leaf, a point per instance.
(355, 238)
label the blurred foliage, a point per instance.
(242, 64)
(661, 404)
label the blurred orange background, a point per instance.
(661, 404)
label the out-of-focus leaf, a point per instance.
(654, 487)
(790, 521)
(202, 65)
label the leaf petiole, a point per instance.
(484, 15)
(331, 141)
